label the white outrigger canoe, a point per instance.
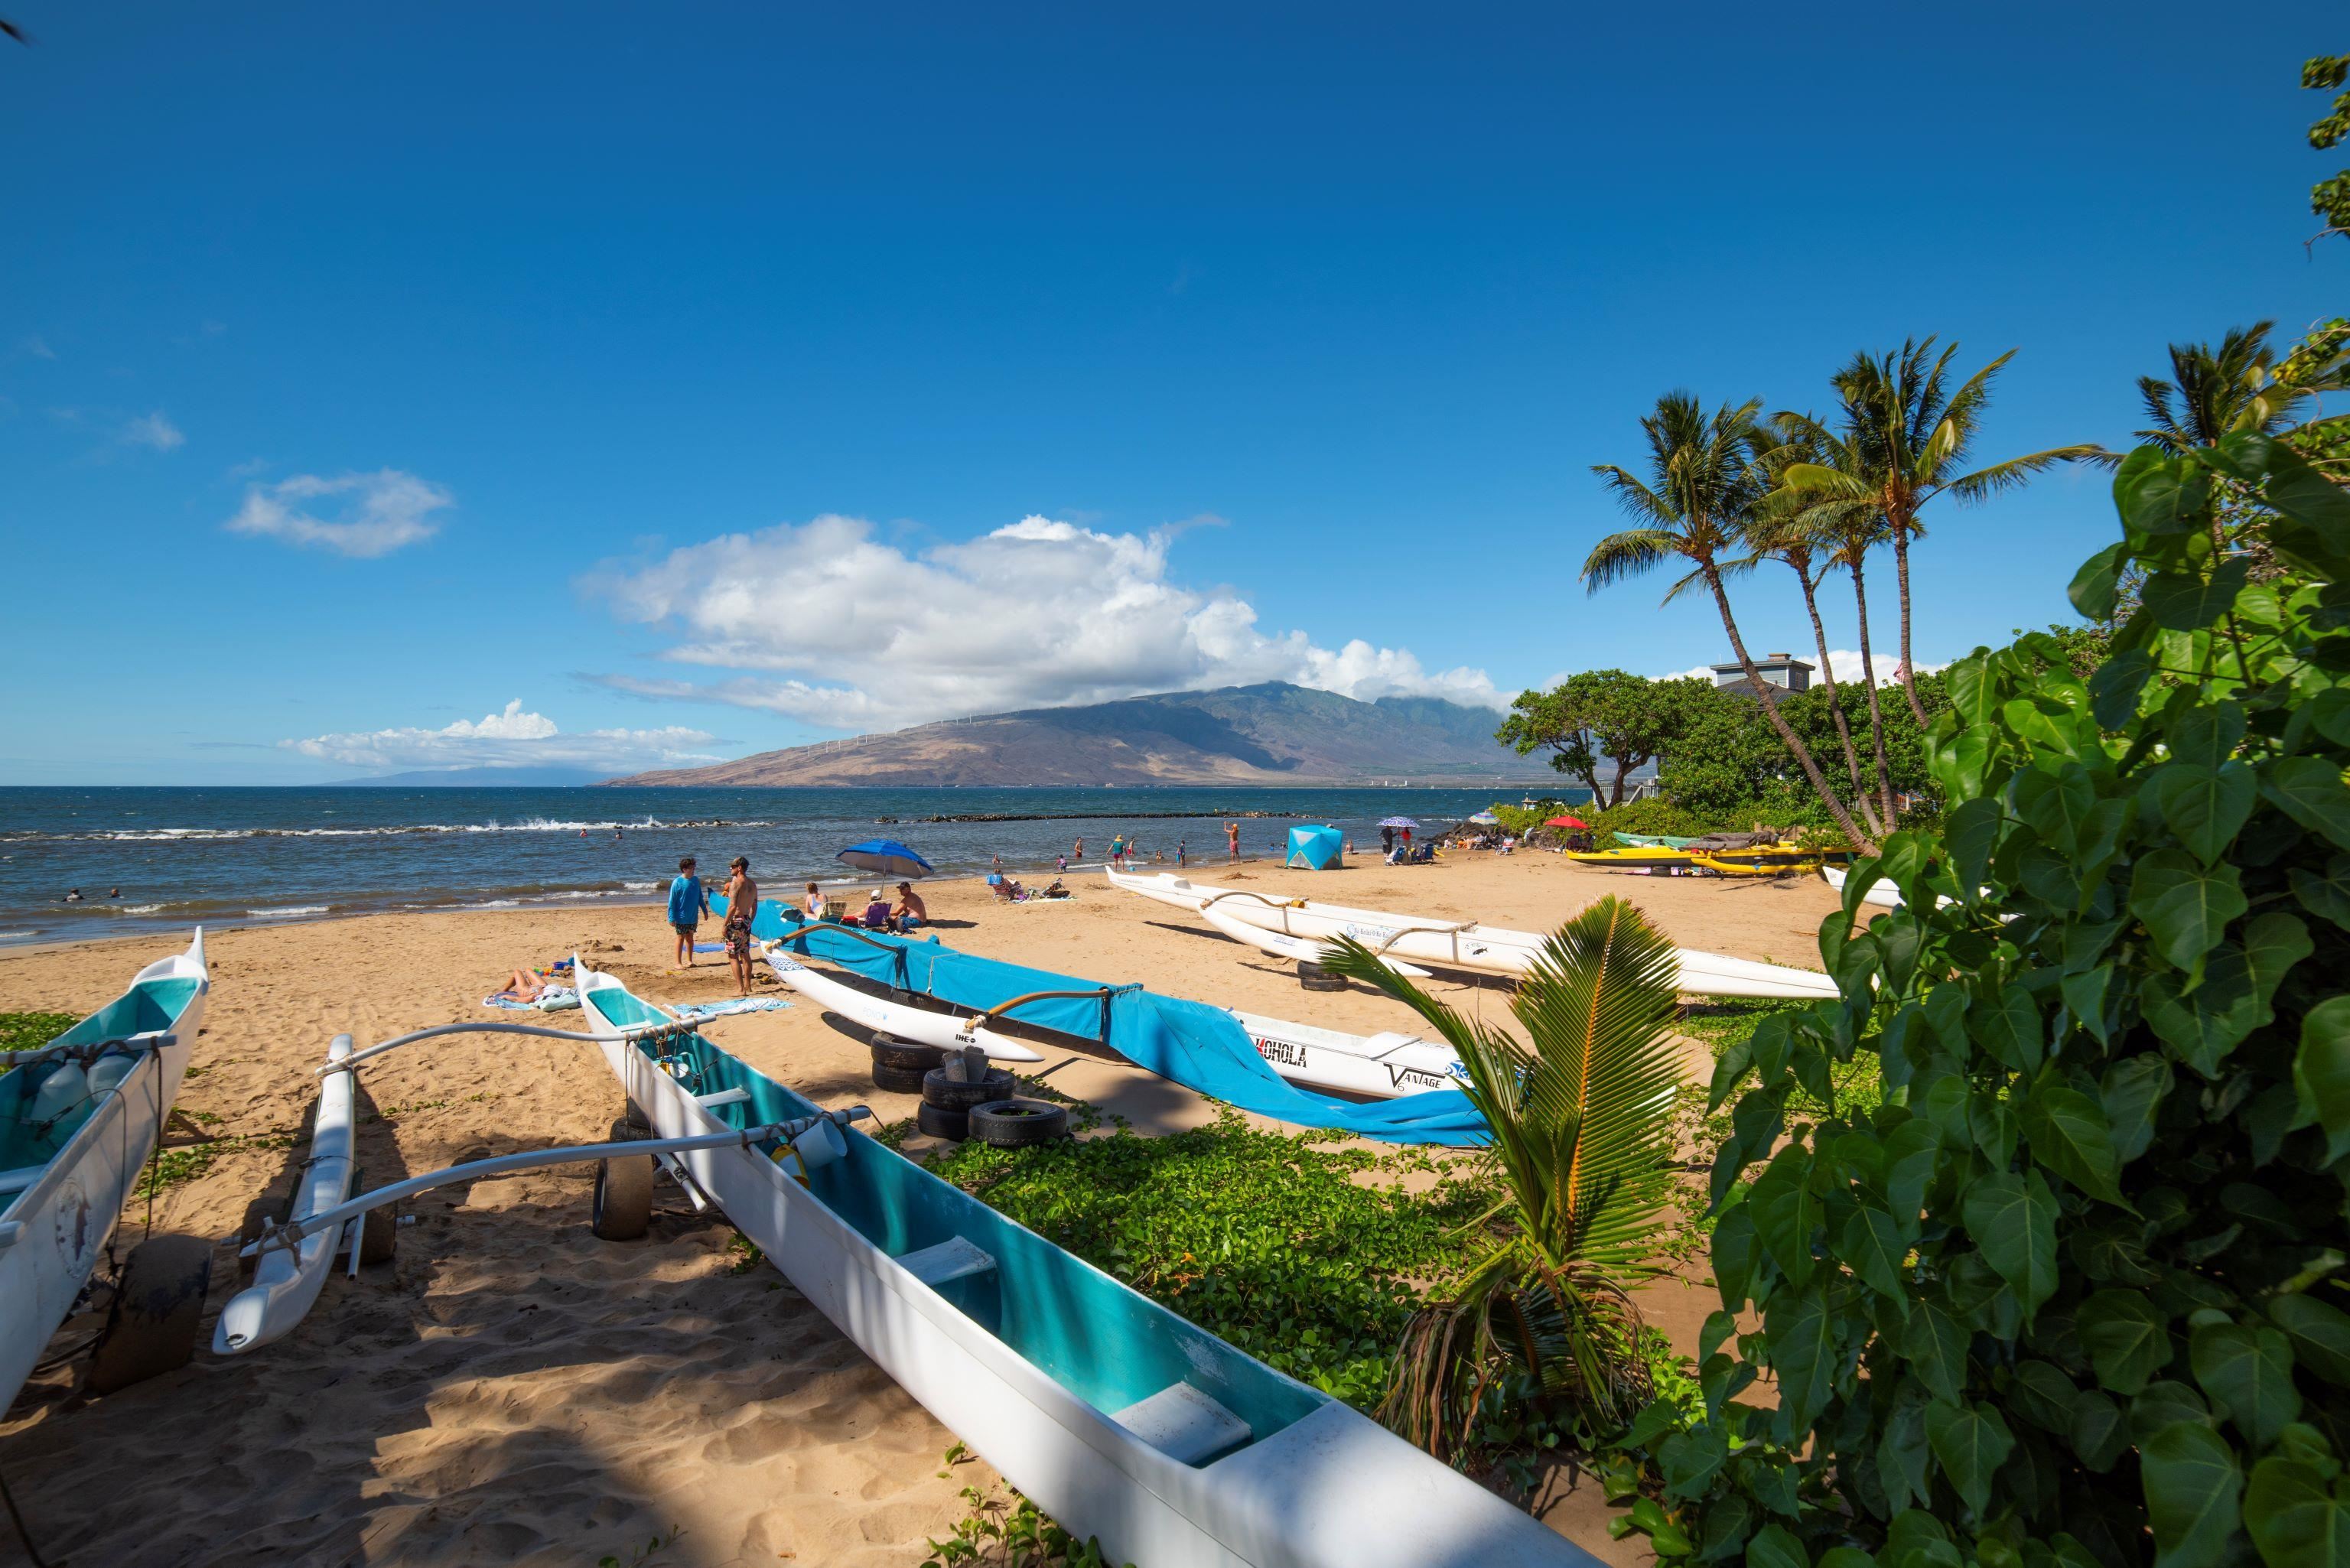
(1452, 944)
(1281, 945)
(1882, 893)
(1121, 1419)
(78, 1119)
(1379, 1066)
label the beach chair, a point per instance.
(836, 910)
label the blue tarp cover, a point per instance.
(1316, 848)
(1203, 1048)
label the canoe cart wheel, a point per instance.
(947, 1094)
(1017, 1124)
(904, 1062)
(151, 1329)
(939, 1121)
(623, 1209)
(1314, 977)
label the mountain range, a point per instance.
(1273, 733)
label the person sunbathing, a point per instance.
(524, 986)
(911, 911)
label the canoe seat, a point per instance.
(954, 1258)
(1184, 1424)
(722, 1097)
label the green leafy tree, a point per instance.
(2066, 1288)
(1906, 437)
(1602, 713)
(1704, 479)
(1584, 1151)
(2330, 197)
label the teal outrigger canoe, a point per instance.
(1121, 1419)
(1652, 841)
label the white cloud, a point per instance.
(386, 510)
(154, 431)
(509, 737)
(852, 633)
(37, 349)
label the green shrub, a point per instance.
(2065, 1287)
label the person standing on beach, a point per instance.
(687, 902)
(1233, 840)
(742, 908)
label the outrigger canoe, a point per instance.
(1455, 944)
(1376, 1066)
(1119, 1418)
(79, 1117)
(1652, 841)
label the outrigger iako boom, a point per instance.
(1120, 1418)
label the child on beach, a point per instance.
(813, 905)
(687, 902)
(742, 906)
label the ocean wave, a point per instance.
(494, 904)
(287, 911)
(18, 936)
(139, 909)
(532, 825)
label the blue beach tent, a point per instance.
(1316, 848)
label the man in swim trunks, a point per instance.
(742, 906)
(687, 902)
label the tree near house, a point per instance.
(1600, 714)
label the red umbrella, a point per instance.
(1567, 822)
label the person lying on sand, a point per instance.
(523, 986)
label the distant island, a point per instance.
(1273, 733)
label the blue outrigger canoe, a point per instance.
(1121, 1419)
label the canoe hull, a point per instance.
(1453, 944)
(286, 1280)
(1381, 1503)
(919, 1024)
(1379, 1066)
(53, 1232)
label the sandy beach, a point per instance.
(512, 1390)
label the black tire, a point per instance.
(151, 1329)
(622, 1209)
(1018, 1123)
(943, 1091)
(889, 1051)
(1314, 977)
(940, 1122)
(897, 1080)
(379, 1235)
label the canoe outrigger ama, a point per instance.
(1121, 1419)
(78, 1118)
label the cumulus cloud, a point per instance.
(378, 513)
(153, 430)
(512, 737)
(845, 631)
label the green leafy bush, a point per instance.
(2066, 1286)
(31, 1031)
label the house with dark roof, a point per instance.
(1782, 675)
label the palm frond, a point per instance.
(1627, 554)
(2012, 475)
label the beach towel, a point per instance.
(553, 999)
(710, 947)
(697, 1012)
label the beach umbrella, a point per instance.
(885, 857)
(1397, 821)
(1567, 822)
(1484, 819)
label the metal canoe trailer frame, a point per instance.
(293, 1259)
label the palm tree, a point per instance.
(2215, 391)
(1845, 533)
(1779, 532)
(1585, 1150)
(1705, 478)
(1908, 435)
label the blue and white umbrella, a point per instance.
(1397, 821)
(886, 858)
(1485, 819)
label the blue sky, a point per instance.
(400, 387)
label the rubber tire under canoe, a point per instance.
(898, 1080)
(889, 1051)
(622, 1209)
(943, 1091)
(938, 1121)
(1018, 1123)
(158, 1303)
(1314, 977)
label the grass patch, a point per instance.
(1264, 1239)
(1007, 1529)
(31, 1031)
(172, 1167)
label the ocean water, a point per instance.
(236, 857)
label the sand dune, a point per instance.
(511, 1389)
